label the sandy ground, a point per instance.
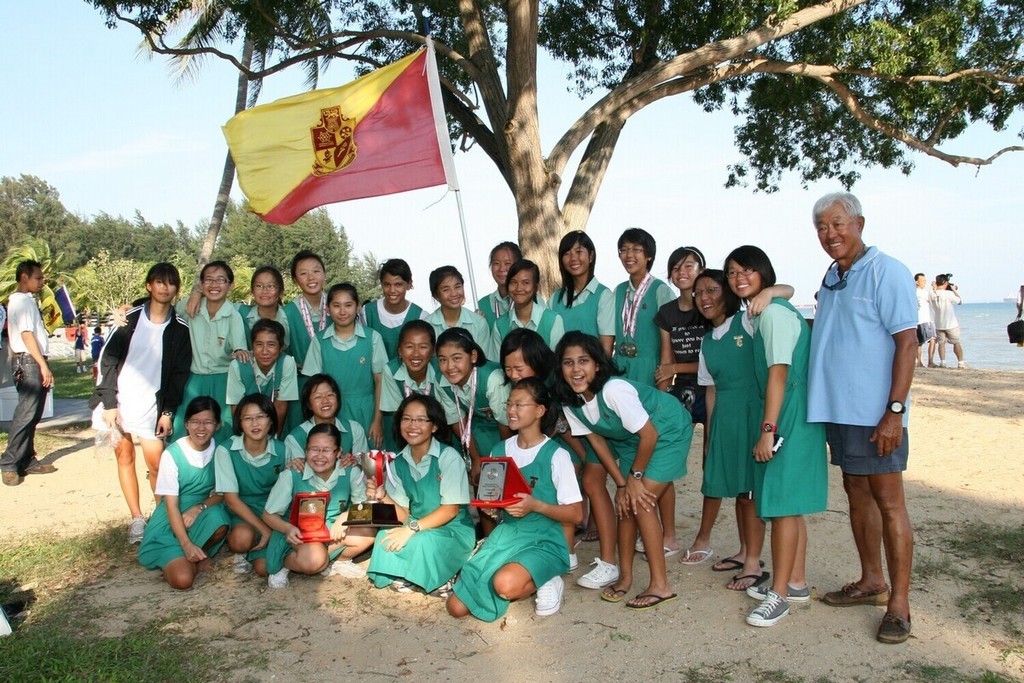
(965, 466)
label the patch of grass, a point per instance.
(947, 674)
(59, 642)
(989, 543)
(67, 382)
(927, 568)
(707, 673)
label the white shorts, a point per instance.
(952, 336)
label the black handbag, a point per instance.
(1015, 330)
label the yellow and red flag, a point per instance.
(380, 134)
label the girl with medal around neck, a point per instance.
(321, 400)
(413, 371)
(473, 393)
(526, 552)
(583, 302)
(427, 484)
(354, 357)
(497, 303)
(190, 523)
(648, 432)
(269, 372)
(392, 310)
(448, 289)
(247, 466)
(638, 341)
(322, 472)
(791, 466)
(527, 311)
(524, 354)
(306, 314)
(217, 335)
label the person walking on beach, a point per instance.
(861, 367)
(946, 325)
(32, 376)
(925, 325)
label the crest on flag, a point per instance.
(334, 148)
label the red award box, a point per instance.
(500, 481)
(309, 514)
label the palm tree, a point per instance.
(35, 250)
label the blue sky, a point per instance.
(115, 132)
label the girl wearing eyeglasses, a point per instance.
(247, 467)
(322, 472)
(190, 523)
(526, 553)
(266, 288)
(790, 470)
(428, 486)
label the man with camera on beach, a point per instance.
(863, 345)
(947, 327)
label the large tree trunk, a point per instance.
(227, 178)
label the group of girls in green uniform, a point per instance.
(592, 384)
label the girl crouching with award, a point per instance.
(190, 523)
(526, 553)
(428, 485)
(306, 511)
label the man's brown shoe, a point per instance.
(850, 594)
(894, 629)
(11, 478)
(41, 468)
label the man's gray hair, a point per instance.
(849, 202)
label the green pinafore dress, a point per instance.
(675, 430)
(432, 556)
(795, 480)
(353, 371)
(254, 484)
(159, 544)
(547, 322)
(739, 409)
(647, 335)
(485, 424)
(247, 374)
(582, 316)
(534, 541)
(279, 548)
(390, 335)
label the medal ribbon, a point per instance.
(307, 315)
(631, 307)
(466, 426)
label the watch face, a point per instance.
(897, 407)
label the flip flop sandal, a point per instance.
(615, 596)
(758, 580)
(696, 557)
(589, 536)
(729, 564)
(658, 600)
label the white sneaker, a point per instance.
(603, 574)
(278, 579)
(240, 565)
(961, 365)
(401, 586)
(639, 545)
(347, 569)
(549, 597)
(574, 562)
(136, 529)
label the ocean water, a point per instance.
(983, 335)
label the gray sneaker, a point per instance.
(136, 530)
(771, 610)
(793, 594)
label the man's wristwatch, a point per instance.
(414, 525)
(897, 407)
(769, 428)
(636, 474)
(167, 413)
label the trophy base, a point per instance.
(372, 515)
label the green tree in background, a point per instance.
(105, 284)
(31, 207)
(822, 88)
(36, 250)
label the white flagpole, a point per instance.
(445, 144)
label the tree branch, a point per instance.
(707, 55)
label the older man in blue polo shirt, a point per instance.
(863, 347)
